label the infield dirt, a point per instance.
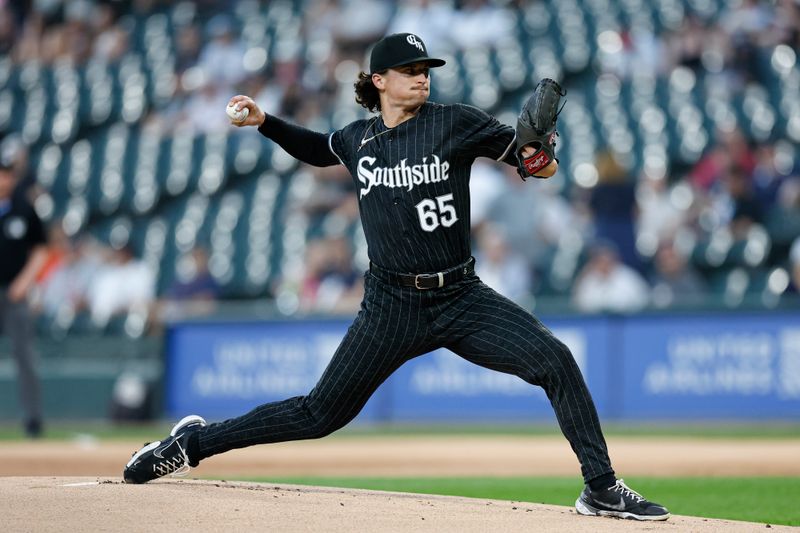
(101, 504)
(413, 456)
(53, 502)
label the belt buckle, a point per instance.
(439, 275)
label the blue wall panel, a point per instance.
(225, 369)
(643, 367)
(725, 366)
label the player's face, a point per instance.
(408, 85)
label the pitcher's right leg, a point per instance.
(383, 337)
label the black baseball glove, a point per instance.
(536, 127)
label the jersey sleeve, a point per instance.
(303, 144)
(343, 143)
(478, 134)
(337, 146)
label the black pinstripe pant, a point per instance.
(396, 324)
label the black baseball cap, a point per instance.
(400, 49)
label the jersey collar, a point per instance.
(423, 109)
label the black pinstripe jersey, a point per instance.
(412, 182)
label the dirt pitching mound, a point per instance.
(101, 504)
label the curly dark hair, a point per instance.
(366, 93)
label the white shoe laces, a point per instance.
(623, 489)
(174, 466)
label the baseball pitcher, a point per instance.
(411, 166)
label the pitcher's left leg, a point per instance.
(493, 332)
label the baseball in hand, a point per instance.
(236, 116)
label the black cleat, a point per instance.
(165, 457)
(621, 502)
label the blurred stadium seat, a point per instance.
(117, 152)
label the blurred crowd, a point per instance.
(621, 243)
(85, 276)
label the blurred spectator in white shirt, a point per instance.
(125, 284)
(431, 20)
(222, 58)
(359, 23)
(479, 24)
(205, 108)
(500, 267)
(662, 211)
(606, 284)
(749, 20)
(486, 184)
(65, 291)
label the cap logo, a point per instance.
(412, 39)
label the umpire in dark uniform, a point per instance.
(411, 165)
(23, 252)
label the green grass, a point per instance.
(766, 500)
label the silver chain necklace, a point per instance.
(366, 139)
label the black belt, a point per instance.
(425, 281)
